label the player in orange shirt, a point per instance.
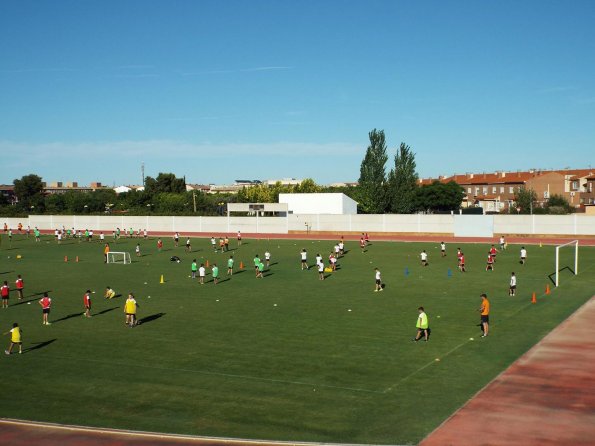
(484, 310)
(105, 252)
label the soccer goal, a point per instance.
(118, 257)
(566, 245)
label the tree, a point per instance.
(372, 178)
(439, 197)
(526, 200)
(557, 204)
(402, 182)
(164, 183)
(29, 192)
(307, 186)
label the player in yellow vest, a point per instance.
(15, 339)
(130, 310)
(421, 325)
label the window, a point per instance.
(477, 191)
(574, 185)
(494, 189)
(511, 190)
(501, 189)
(468, 190)
(590, 187)
(485, 190)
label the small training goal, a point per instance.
(118, 257)
(564, 258)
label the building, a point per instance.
(284, 182)
(122, 189)
(496, 192)
(319, 203)
(58, 187)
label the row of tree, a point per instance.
(377, 192)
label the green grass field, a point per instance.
(275, 358)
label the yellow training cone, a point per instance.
(162, 281)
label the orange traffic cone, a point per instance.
(241, 265)
(66, 258)
(533, 299)
(207, 263)
(547, 289)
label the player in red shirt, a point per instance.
(46, 303)
(87, 303)
(5, 293)
(159, 245)
(490, 264)
(493, 252)
(362, 244)
(462, 262)
(20, 285)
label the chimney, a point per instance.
(502, 174)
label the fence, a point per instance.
(459, 225)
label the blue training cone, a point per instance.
(449, 274)
(406, 271)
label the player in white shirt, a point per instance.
(443, 249)
(320, 265)
(341, 248)
(512, 290)
(424, 258)
(502, 243)
(378, 280)
(523, 255)
(318, 258)
(267, 258)
(201, 274)
(304, 257)
(337, 250)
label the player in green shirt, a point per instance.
(260, 270)
(230, 266)
(194, 268)
(215, 273)
(256, 263)
(421, 325)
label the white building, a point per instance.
(319, 203)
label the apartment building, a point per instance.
(496, 192)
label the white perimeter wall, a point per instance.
(331, 203)
(472, 225)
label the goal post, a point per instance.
(118, 257)
(572, 243)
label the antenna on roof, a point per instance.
(142, 171)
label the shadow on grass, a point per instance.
(552, 276)
(38, 345)
(240, 271)
(107, 310)
(6, 272)
(22, 302)
(70, 316)
(150, 318)
(269, 273)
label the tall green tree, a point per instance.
(402, 182)
(29, 192)
(372, 177)
(526, 200)
(164, 183)
(439, 197)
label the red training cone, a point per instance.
(533, 299)
(547, 289)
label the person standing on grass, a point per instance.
(20, 285)
(214, 244)
(267, 258)
(421, 325)
(230, 266)
(378, 279)
(194, 268)
(260, 271)
(145, 234)
(320, 265)
(5, 294)
(523, 255)
(362, 244)
(493, 252)
(15, 339)
(188, 246)
(484, 310)
(226, 242)
(490, 263)
(46, 304)
(442, 249)
(87, 303)
(512, 289)
(256, 261)
(106, 250)
(424, 258)
(502, 243)
(462, 262)
(215, 273)
(201, 274)
(341, 248)
(239, 238)
(37, 234)
(176, 239)
(130, 307)
(159, 245)
(304, 257)
(137, 250)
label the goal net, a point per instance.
(118, 257)
(566, 258)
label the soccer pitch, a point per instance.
(286, 357)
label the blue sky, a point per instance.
(220, 90)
